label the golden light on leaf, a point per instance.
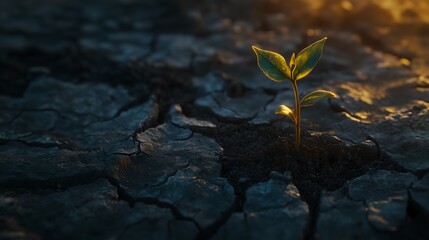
(275, 67)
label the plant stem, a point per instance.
(297, 115)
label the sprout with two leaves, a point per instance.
(274, 66)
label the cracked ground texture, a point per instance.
(126, 119)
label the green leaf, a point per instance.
(307, 59)
(292, 62)
(315, 97)
(284, 110)
(272, 64)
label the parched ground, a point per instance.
(151, 120)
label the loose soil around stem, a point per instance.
(323, 163)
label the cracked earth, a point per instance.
(150, 120)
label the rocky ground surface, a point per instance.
(150, 120)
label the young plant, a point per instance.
(274, 66)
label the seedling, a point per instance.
(274, 66)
